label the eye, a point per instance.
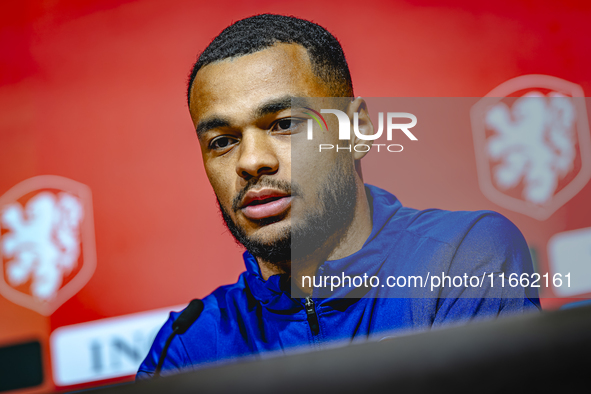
(287, 124)
(222, 142)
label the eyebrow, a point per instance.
(210, 124)
(270, 107)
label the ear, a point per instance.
(365, 126)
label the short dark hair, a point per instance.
(259, 32)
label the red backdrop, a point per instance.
(94, 91)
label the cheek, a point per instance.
(309, 164)
(221, 182)
(284, 154)
(309, 174)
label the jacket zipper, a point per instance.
(312, 316)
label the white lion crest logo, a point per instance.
(534, 141)
(43, 242)
(532, 144)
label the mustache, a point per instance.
(290, 188)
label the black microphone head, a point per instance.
(188, 316)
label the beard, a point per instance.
(329, 221)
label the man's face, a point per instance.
(242, 111)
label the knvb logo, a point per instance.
(345, 129)
(531, 137)
(47, 251)
(104, 349)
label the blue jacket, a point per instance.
(255, 318)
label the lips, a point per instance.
(265, 203)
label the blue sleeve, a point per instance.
(492, 245)
(195, 348)
(176, 357)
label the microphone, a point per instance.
(188, 317)
(180, 326)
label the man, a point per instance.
(303, 214)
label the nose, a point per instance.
(258, 155)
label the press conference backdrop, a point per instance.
(101, 176)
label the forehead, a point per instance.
(240, 84)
